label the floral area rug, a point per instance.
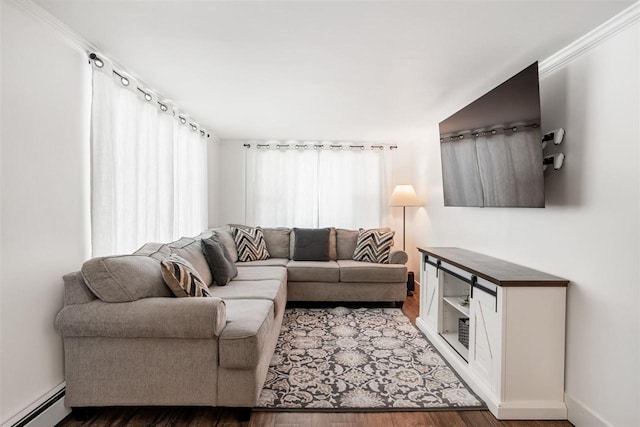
(363, 359)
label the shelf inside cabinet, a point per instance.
(454, 301)
(452, 339)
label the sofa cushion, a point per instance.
(262, 273)
(277, 240)
(250, 244)
(157, 251)
(124, 278)
(248, 289)
(282, 262)
(272, 290)
(219, 260)
(261, 282)
(337, 292)
(346, 241)
(313, 271)
(311, 244)
(191, 250)
(358, 271)
(333, 250)
(250, 323)
(206, 234)
(373, 246)
(76, 290)
(226, 237)
(182, 278)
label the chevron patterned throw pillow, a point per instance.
(373, 246)
(250, 243)
(182, 278)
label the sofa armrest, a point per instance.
(398, 257)
(148, 318)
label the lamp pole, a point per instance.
(404, 195)
(404, 228)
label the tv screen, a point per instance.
(491, 150)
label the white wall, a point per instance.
(213, 180)
(45, 205)
(588, 233)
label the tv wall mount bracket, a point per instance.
(557, 160)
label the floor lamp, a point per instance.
(404, 195)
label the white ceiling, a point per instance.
(350, 71)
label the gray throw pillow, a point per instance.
(219, 260)
(226, 237)
(191, 250)
(346, 241)
(311, 244)
(277, 241)
(124, 278)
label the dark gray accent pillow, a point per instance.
(219, 260)
(311, 244)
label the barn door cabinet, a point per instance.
(501, 326)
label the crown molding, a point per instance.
(593, 38)
(62, 31)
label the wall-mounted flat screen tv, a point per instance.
(491, 150)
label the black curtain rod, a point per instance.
(459, 136)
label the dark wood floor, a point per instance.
(179, 417)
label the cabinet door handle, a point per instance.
(475, 284)
(474, 280)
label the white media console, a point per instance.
(514, 359)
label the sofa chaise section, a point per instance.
(252, 327)
(212, 351)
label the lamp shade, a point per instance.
(405, 195)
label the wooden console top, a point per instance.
(497, 271)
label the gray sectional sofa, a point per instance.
(128, 342)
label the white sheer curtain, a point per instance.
(190, 182)
(353, 189)
(148, 171)
(317, 187)
(282, 188)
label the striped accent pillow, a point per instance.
(182, 278)
(250, 244)
(373, 246)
